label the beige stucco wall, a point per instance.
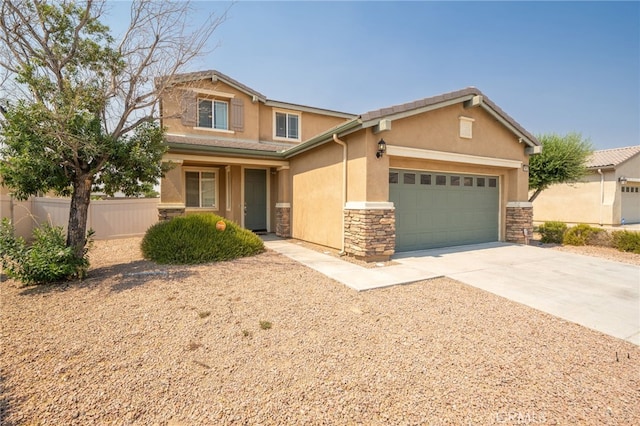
(172, 108)
(587, 201)
(630, 168)
(439, 130)
(171, 186)
(311, 124)
(316, 214)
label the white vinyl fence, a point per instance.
(116, 218)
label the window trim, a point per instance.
(216, 186)
(287, 114)
(213, 119)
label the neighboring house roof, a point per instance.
(607, 158)
(471, 96)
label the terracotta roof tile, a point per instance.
(612, 157)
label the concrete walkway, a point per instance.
(596, 293)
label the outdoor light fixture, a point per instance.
(382, 148)
(622, 180)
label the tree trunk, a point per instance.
(78, 214)
(535, 195)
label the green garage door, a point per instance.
(436, 209)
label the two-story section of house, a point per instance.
(445, 170)
(224, 143)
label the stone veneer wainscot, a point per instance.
(169, 212)
(370, 230)
(283, 220)
(519, 222)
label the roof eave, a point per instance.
(204, 149)
(416, 111)
(530, 140)
(602, 167)
(322, 138)
(214, 75)
(305, 108)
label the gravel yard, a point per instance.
(265, 340)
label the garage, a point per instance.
(630, 204)
(436, 209)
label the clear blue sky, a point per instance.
(553, 66)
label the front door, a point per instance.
(255, 199)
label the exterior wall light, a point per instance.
(382, 148)
(622, 180)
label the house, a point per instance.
(441, 171)
(608, 195)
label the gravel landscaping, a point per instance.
(265, 340)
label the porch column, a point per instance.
(519, 222)
(283, 205)
(171, 193)
(370, 230)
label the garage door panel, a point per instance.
(439, 209)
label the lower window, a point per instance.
(201, 189)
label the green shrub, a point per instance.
(194, 239)
(581, 235)
(46, 260)
(627, 241)
(552, 232)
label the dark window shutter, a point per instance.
(237, 114)
(189, 108)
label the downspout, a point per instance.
(601, 193)
(344, 182)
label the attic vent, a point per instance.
(466, 127)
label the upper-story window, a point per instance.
(287, 125)
(213, 114)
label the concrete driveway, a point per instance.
(596, 293)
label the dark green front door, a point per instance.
(435, 209)
(255, 199)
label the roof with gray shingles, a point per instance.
(210, 74)
(612, 157)
(434, 100)
(201, 75)
(226, 143)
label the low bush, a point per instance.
(582, 235)
(552, 232)
(601, 238)
(626, 241)
(194, 239)
(46, 260)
